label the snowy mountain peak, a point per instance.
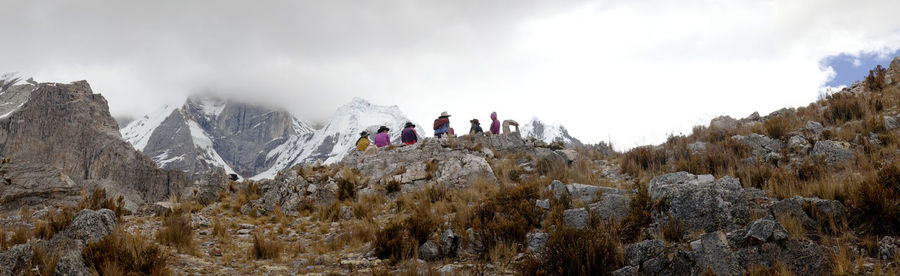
(548, 133)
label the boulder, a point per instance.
(887, 247)
(613, 204)
(702, 202)
(760, 144)
(346, 212)
(812, 212)
(892, 122)
(723, 123)
(537, 240)
(577, 218)
(90, 226)
(833, 152)
(16, 260)
(626, 271)
(207, 189)
(72, 263)
(764, 230)
(798, 144)
(428, 251)
(713, 252)
(815, 127)
(637, 253)
(697, 147)
(449, 243)
(543, 204)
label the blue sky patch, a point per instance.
(849, 68)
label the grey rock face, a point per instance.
(428, 251)
(537, 240)
(613, 204)
(454, 167)
(702, 202)
(34, 185)
(764, 230)
(723, 123)
(207, 189)
(761, 144)
(90, 226)
(833, 152)
(798, 144)
(891, 122)
(637, 253)
(449, 243)
(346, 212)
(85, 143)
(626, 271)
(714, 252)
(16, 260)
(821, 209)
(815, 127)
(887, 247)
(697, 147)
(576, 218)
(72, 264)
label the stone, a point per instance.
(612, 205)
(833, 152)
(246, 226)
(723, 123)
(33, 185)
(702, 202)
(815, 127)
(72, 263)
(16, 260)
(764, 230)
(91, 226)
(798, 144)
(346, 212)
(696, 147)
(570, 155)
(715, 253)
(507, 124)
(244, 231)
(428, 251)
(576, 218)
(753, 117)
(543, 204)
(637, 253)
(626, 271)
(450, 243)
(558, 189)
(537, 240)
(887, 247)
(760, 144)
(207, 190)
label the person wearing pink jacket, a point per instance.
(495, 126)
(382, 139)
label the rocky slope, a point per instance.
(68, 129)
(207, 132)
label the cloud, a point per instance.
(630, 71)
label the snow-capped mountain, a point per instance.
(207, 132)
(537, 129)
(338, 137)
(15, 90)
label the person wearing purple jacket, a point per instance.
(495, 126)
(382, 139)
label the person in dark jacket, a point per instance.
(409, 135)
(476, 128)
(442, 125)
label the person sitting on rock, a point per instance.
(495, 125)
(476, 128)
(409, 135)
(363, 142)
(382, 139)
(442, 125)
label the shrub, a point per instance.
(121, 253)
(176, 230)
(638, 215)
(20, 236)
(640, 159)
(777, 127)
(392, 186)
(421, 225)
(673, 230)
(394, 243)
(44, 260)
(55, 222)
(843, 107)
(876, 201)
(507, 216)
(3, 243)
(875, 81)
(346, 189)
(264, 249)
(811, 169)
(590, 251)
(431, 167)
(97, 200)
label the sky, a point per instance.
(630, 72)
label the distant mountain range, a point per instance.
(257, 142)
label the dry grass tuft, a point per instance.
(176, 230)
(673, 230)
(264, 248)
(20, 236)
(97, 200)
(394, 243)
(44, 260)
(793, 225)
(122, 253)
(56, 221)
(590, 251)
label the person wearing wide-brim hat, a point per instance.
(442, 124)
(363, 142)
(476, 128)
(382, 139)
(409, 135)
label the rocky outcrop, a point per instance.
(16, 261)
(702, 202)
(761, 145)
(35, 185)
(723, 123)
(833, 152)
(67, 127)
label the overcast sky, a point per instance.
(627, 71)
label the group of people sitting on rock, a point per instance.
(409, 135)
